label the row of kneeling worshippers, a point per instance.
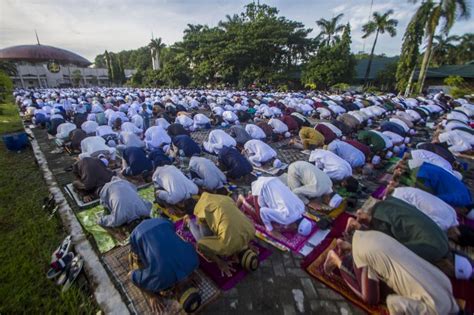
(405, 234)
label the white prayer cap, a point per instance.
(277, 163)
(376, 159)
(406, 140)
(369, 122)
(389, 154)
(403, 146)
(335, 201)
(396, 149)
(287, 134)
(112, 143)
(463, 268)
(412, 132)
(166, 148)
(304, 228)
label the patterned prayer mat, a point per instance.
(319, 209)
(337, 283)
(211, 269)
(116, 262)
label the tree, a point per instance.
(156, 46)
(444, 49)
(379, 24)
(8, 67)
(76, 77)
(465, 49)
(331, 65)
(6, 86)
(442, 13)
(386, 79)
(410, 50)
(330, 29)
(109, 66)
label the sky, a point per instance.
(89, 27)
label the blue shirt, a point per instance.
(393, 127)
(137, 160)
(347, 152)
(166, 258)
(159, 158)
(444, 185)
(187, 144)
(235, 163)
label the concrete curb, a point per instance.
(105, 293)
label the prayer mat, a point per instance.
(103, 239)
(291, 155)
(379, 193)
(116, 262)
(269, 169)
(82, 205)
(108, 238)
(318, 208)
(211, 269)
(465, 221)
(337, 283)
(291, 240)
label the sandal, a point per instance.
(73, 272)
(60, 265)
(62, 249)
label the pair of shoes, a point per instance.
(71, 272)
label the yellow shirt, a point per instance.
(310, 136)
(232, 229)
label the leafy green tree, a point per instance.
(6, 86)
(379, 24)
(330, 29)
(442, 13)
(109, 66)
(410, 50)
(76, 77)
(444, 50)
(331, 65)
(465, 49)
(386, 79)
(8, 67)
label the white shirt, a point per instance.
(277, 199)
(89, 126)
(162, 123)
(255, 131)
(331, 164)
(185, 121)
(201, 119)
(210, 176)
(156, 137)
(64, 129)
(217, 140)
(137, 120)
(334, 129)
(418, 157)
(458, 140)
(173, 185)
(259, 150)
(439, 211)
(349, 153)
(91, 145)
(394, 137)
(130, 127)
(229, 116)
(278, 126)
(104, 131)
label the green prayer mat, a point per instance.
(104, 240)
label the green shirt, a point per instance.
(410, 227)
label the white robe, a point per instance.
(172, 185)
(439, 211)
(331, 164)
(255, 131)
(156, 137)
(218, 139)
(277, 202)
(419, 156)
(259, 152)
(93, 146)
(278, 126)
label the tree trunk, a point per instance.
(157, 56)
(369, 65)
(425, 63)
(410, 82)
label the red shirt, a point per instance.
(328, 134)
(290, 122)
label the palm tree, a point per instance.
(330, 29)
(442, 13)
(465, 49)
(156, 46)
(379, 24)
(444, 49)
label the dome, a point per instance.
(39, 53)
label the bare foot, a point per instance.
(276, 234)
(343, 246)
(87, 198)
(332, 262)
(240, 200)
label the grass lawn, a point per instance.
(28, 238)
